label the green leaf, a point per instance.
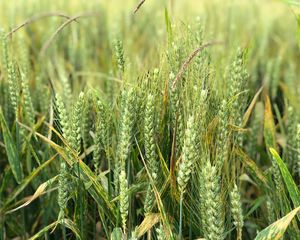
(288, 179)
(277, 229)
(11, 150)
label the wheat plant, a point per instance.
(149, 120)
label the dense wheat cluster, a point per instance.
(149, 120)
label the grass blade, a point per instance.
(288, 179)
(11, 150)
(276, 230)
(26, 182)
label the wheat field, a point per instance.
(150, 119)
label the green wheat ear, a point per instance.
(63, 116)
(120, 55)
(13, 85)
(150, 149)
(76, 127)
(101, 139)
(212, 218)
(29, 114)
(237, 79)
(177, 116)
(124, 204)
(222, 136)
(63, 189)
(188, 156)
(125, 134)
(189, 153)
(236, 210)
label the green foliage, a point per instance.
(288, 179)
(188, 156)
(11, 150)
(213, 220)
(179, 121)
(276, 230)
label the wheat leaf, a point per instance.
(277, 229)
(11, 150)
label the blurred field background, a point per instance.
(267, 28)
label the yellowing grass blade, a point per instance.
(277, 229)
(26, 182)
(40, 190)
(66, 222)
(251, 107)
(149, 221)
(269, 125)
